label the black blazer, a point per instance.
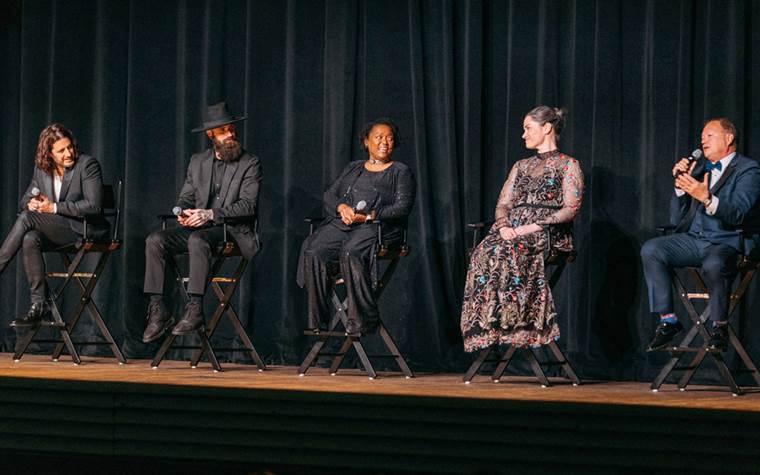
(81, 195)
(239, 193)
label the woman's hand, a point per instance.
(507, 233)
(526, 229)
(347, 214)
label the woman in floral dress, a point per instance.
(507, 299)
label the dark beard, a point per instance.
(228, 151)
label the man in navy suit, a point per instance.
(713, 204)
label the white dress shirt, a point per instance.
(715, 175)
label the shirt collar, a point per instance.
(727, 159)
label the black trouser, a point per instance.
(36, 233)
(352, 250)
(198, 243)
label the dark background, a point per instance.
(638, 77)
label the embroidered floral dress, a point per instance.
(507, 299)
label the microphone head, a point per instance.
(35, 192)
(696, 154)
(360, 205)
(176, 211)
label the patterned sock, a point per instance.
(156, 298)
(668, 318)
(196, 298)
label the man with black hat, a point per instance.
(222, 182)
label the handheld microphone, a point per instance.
(176, 211)
(360, 206)
(695, 155)
(35, 192)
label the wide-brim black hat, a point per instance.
(217, 115)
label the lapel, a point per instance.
(205, 182)
(229, 173)
(724, 177)
(67, 176)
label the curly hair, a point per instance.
(49, 135)
(364, 134)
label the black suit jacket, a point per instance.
(81, 195)
(239, 193)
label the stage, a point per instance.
(243, 419)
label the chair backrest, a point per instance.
(112, 204)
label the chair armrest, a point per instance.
(477, 231)
(313, 221)
(665, 229)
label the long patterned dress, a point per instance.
(507, 299)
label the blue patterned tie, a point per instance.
(710, 166)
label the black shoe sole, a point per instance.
(158, 335)
(187, 332)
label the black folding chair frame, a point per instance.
(224, 288)
(87, 282)
(340, 318)
(503, 361)
(698, 328)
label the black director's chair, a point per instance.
(340, 317)
(747, 264)
(86, 282)
(224, 288)
(558, 261)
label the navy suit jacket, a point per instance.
(81, 195)
(738, 212)
(239, 193)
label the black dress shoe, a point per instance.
(663, 335)
(191, 321)
(159, 321)
(719, 338)
(33, 316)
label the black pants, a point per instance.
(352, 250)
(198, 243)
(36, 233)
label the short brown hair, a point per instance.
(49, 135)
(727, 126)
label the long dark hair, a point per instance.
(50, 135)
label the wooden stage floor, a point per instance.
(285, 378)
(348, 423)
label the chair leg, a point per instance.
(673, 361)
(746, 359)
(161, 354)
(391, 344)
(24, 343)
(338, 360)
(363, 358)
(537, 370)
(477, 364)
(726, 373)
(504, 361)
(691, 369)
(566, 366)
(201, 332)
(85, 301)
(311, 358)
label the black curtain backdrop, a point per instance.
(638, 77)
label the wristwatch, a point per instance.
(707, 201)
